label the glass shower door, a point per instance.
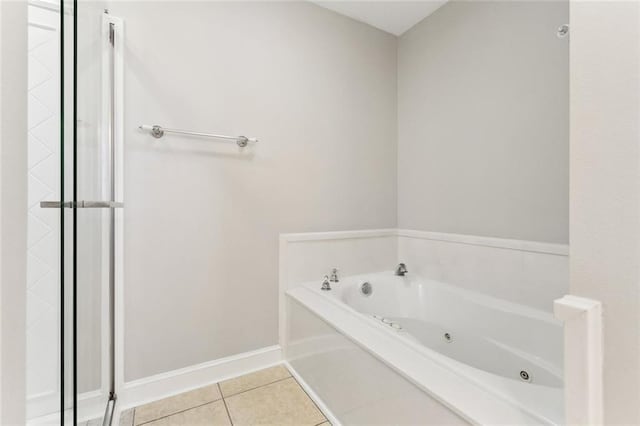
(88, 213)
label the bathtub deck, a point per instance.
(270, 396)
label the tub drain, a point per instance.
(525, 376)
(447, 337)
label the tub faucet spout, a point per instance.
(334, 275)
(401, 270)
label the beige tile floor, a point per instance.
(266, 397)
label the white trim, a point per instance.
(42, 404)
(90, 404)
(314, 397)
(162, 385)
(13, 210)
(476, 240)
(583, 369)
(105, 223)
(283, 263)
(338, 235)
(521, 245)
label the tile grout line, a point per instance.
(222, 397)
(178, 412)
(225, 405)
(257, 387)
(324, 418)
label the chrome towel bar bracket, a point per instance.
(158, 131)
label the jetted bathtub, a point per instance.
(488, 360)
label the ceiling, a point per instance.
(394, 17)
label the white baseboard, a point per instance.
(42, 404)
(162, 385)
(91, 405)
(316, 399)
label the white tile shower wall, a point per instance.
(43, 226)
(525, 276)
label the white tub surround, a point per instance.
(307, 256)
(352, 384)
(529, 273)
(475, 372)
(467, 286)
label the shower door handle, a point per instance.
(81, 204)
(55, 204)
(99, 205)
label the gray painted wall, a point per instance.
(483, 104)
(320, 91)
(201, 220)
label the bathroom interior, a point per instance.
(322, 212)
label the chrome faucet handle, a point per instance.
(334, 275)
(326, 285)
(401, 270)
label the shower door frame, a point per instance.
(112, 88)
(92, 403)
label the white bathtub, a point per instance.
(488, 360)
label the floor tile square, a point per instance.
(280, 403)
(174, 404)
(253, 380)
(126, 417)
(212, 414)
